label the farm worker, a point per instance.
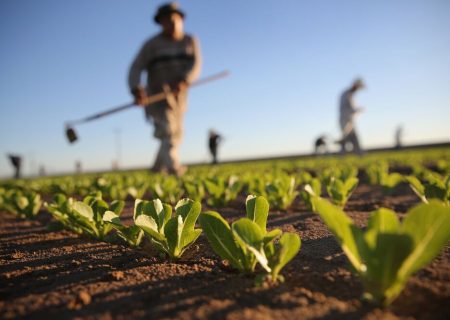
(213, 142)
(16, 162)
(172, 62)
(320, 145)
(398, 137)
(348, 110)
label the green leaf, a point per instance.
(214, 188)
(117, 206)
(383, 220)
(248, 231)
(314, 189)
(166, 214)
(417, 187)
(271, 235)
(132, 191)
(59, 199)
(189, 211)
(84, 210)
(220, 237)
(383, 261)
(316, 186)
(22, 202)
(286, 250)
(138, 208)
(343, 228)
(393, 179)
(350, 185)
(132, 235)
(149, 225)
(172, 231)
(429, 227)
(160, 212)
(155, 209)
(191, 237)
(257, 210)
(113, 218)
(37, 203)
(250, 236)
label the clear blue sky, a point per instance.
(289, 62)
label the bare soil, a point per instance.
(59, 275)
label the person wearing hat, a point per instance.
(172, 61)
(348, 110)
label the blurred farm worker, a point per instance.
(320, 145)
(171, 60)
(78, 166)
(213, 142)
(398, 137)
(348, 110)
(16, 162)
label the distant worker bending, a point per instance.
(172, 61)
(348, 110)
(320, 145)
(213, 143)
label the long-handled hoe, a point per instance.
(166, 94)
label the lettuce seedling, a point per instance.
(390, 181)
(247, 241)
(282, 192)
(194, 190)
(348, 172)
(257, 184)
(387, 253)
(341, 190)
(112, 188)
(279, 254)
(378, 174)
(168, 190)
(171, 235)
(221, 191)
(61, 210)
(417, 187)
(438, 187)
(313, 189)
(25, 204)
(132, 235)
(85, 216)
(435, 187)
(138, 190)
(376, 171)
(65, 186)
(304, 177)
(341, 173)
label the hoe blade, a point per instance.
(71, 135)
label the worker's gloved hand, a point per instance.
(140, 96)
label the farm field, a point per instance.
(48, 271)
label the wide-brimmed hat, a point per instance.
(167, 9)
